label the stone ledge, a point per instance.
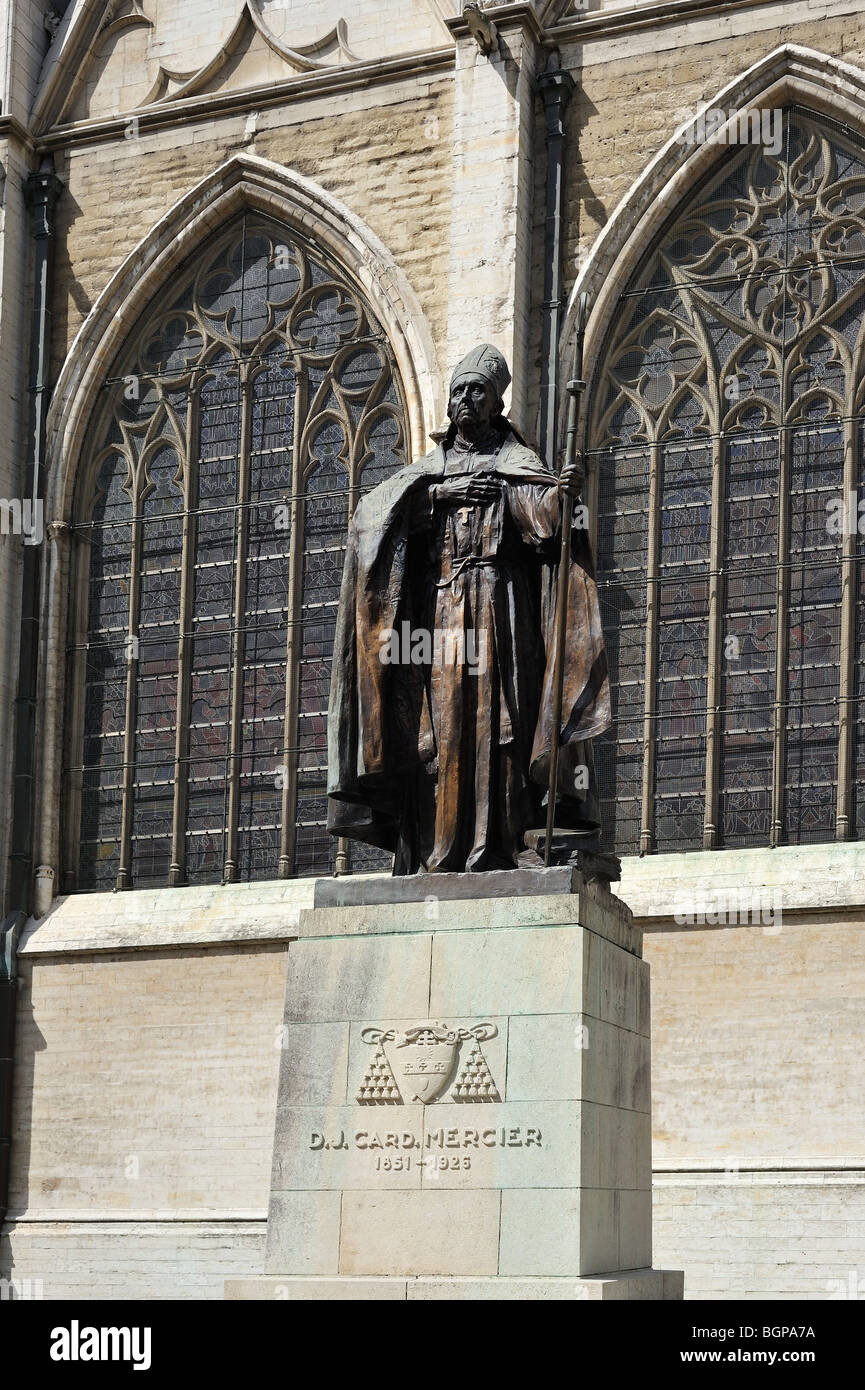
(368, 890)
(195, 1216)
(832, 1175)
(589, 906)
(146, 919)
(328, 83)
(632, 1285)
(810, 878)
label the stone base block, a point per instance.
(464, 1101)
(651, 1285)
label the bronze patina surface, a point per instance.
(440, 720)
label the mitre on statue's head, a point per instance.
(487, 362)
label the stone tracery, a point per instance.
(251, 406)
(726, 421)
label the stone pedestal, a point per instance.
(464, 1102)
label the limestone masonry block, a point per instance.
(463, 1093)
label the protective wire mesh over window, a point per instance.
(728, 443)
(234, 437)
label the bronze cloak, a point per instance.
(379, 726)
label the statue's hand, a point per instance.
(573, 479)
(471, 490)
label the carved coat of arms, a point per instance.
(420, 1062)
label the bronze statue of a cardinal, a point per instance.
(439, 727)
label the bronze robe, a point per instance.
(445, 762)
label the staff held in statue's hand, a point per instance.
(571, 482)
(572, 478)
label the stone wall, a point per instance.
(758, 1090)
(763, 1235)
(144, 1102)
(636, 87)
(130, 60)
(146, 1082)
(146, 1086)
(121, 1259)
(23, 44)
(385, 152)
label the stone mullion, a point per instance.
(185, 644)
(846, 684)
(77, 685)
(592, 499)
(241, 550)
(650, 696)
(288, 834)
(782, 584)
(355, 437)
(715, 644)
(124, 869)
(782, 641)
(342, 856)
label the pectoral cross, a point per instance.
(464, 513)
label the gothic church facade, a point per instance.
(243, 244)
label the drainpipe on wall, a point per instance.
(556, 87)
(9, 934)
(41, 191)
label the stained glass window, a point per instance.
(252, 407)
(726, 441)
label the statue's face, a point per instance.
(473, 403)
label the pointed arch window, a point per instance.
(250, 409)
(727, 438)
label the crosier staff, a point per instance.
(575, 388)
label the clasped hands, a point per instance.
(472, 489)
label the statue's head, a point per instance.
(477, 389)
